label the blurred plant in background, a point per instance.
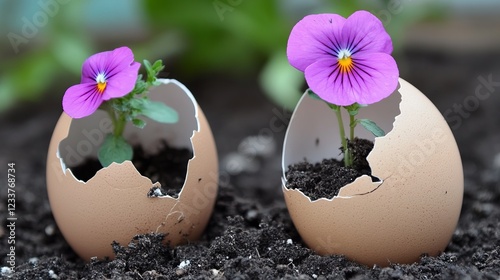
(44, 42)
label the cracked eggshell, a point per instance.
(415, 207)
(113, 205)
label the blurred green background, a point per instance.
(44, 42)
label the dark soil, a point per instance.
(168, 167)
(250, 235)
(325, 179)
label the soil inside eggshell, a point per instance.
(168, 166)
(324, 179)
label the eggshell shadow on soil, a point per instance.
(415, 207)
(113, 205)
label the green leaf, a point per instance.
(153, 70)
(114, 149)
(151, 75)
(140, 87)
(137, 103)
(159, 112)
(139, 123)
(158, 66)
(372, 127)
(147, 65)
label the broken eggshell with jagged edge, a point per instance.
(411, 210)
(114, 204)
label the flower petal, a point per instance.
(81, 100)
(363, 32)
(109, 63)
(93, 66)
(313, 38)
(122, 83)
(119, 60)
(373, 78)
(377, 75)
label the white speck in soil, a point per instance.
(251, 215)
(5, 271)
(184, 264)
(214, 272)
(156, 192)
(53, 275)
(180, 272)
(50, 230)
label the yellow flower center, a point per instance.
(101, 83)
(345, 64)
(345, 61)
(101, 87)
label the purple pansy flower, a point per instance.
(105, 75)
(345, 61)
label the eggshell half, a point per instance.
(412, 210)
(113, 205)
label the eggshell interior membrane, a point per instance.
(412, 210)
(113, 205)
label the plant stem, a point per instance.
(119, 125)
(352, 125)
(347, 160)
(118, 122)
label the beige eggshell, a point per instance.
(113, 205)
(415, 207)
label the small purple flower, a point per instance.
(345, 61)
(105, 75)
